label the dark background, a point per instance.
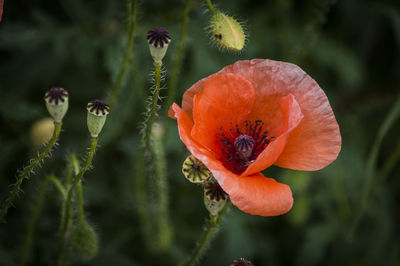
(350, 47)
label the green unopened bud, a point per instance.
(57, 103)
(241, 262)
(227, 32)
(195, 171)
(158, 40)
(96, 116)
(84, 242)
(214, 198)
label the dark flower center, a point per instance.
(214, 192)
(56, 95)
(242, 144)
(158, 37)
(97, 106)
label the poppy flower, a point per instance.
(253, 114)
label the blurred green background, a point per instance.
(350, 47)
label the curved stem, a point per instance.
(73, 187)
(209, 233)
(173, 81)
(131, 11)
(29, 169)
(153, 106)
(210, 6)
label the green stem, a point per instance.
(173, 81)
(73, 187)
(131, 10)
(29, 169)
(36, 212)
(162, 191)
(210, 6)
(209, 234)
(81, 213)
(153, 106)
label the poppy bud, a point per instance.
(241, 262)
(195, 171)
(96, 116)
(214, 198)
(227, 32)
(42, 131)
(158, 40)
(84, 242)
(57, 103)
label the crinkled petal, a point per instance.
(316, 142)
(255, 194)
(292, 116)
(225, 100)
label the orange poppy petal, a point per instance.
(185, 126)
(225, 100)
(316, 142)
(188, 97)
(292, 116)
(255, 194)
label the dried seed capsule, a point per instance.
(214, 198)
(96, 116)
(158, 40)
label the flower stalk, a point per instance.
(29, 169)
(35, 214)
(75, 184)
(210, 6)
(131, 12)
(209, 233)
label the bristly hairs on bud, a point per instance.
(83, 241)
(227, 33)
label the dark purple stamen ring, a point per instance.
(158, 37)
(98, 107)
(56, 95)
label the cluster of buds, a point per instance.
(196, 172)
(56, 100)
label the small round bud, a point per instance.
(195, 171)
(214, 198)
(158, 40)
(84, 242)
(57, 103)
(96, 116)
(241, 262)
(42, 131)
(227, 32)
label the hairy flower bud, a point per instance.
(42, 131)
(195, 171)
(57, 103)
(214, 198)
(158, 40)
(96, 116)
(84, 242)
(227, 32)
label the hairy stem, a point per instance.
(29, 169)
(173, 81)
(209, 233)
(131, 12)
(66, 215)
(210, 6)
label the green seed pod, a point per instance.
(57, 103)
(214, 198)
(195, 171)
(158, 40)
(84, 242)
(96, 116)
(227, 32)
(241, 262)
